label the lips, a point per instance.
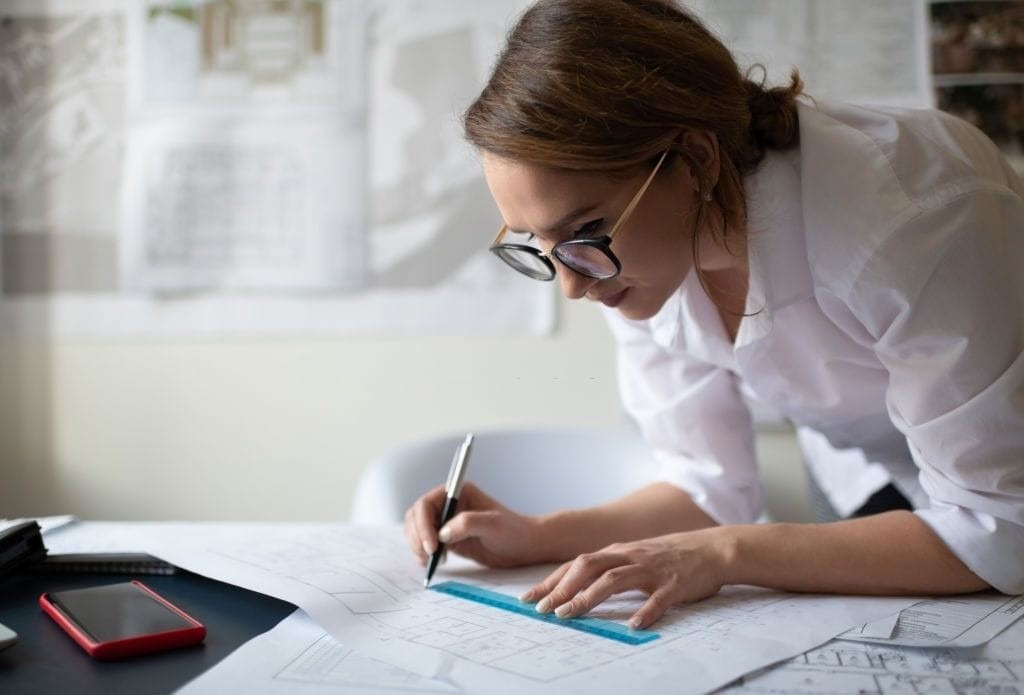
(613, 300)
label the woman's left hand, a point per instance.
(676, 568)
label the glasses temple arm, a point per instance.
(501, 233)
(636, 199)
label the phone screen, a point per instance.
(116, 611)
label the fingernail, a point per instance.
(544, 606)
(444, 535)
(427, 549)
(563, 610)
(635, 623)
(527, 596)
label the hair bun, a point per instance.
(773, 117)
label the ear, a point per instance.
(701, 147)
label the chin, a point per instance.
(636, 313)
(637, 307)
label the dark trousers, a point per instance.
(886, 499)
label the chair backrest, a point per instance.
(530, 471)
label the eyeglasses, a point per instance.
(591, 257)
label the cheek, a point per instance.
(660, 252)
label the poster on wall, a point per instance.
(244, 153)
(870, 51)
(249, 168)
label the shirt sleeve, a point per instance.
(693, 416)
(944, 301)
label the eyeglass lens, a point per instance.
(526, 262)
(586, 259)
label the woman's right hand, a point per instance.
(482, 529)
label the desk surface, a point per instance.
(45, 660)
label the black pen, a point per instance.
(456, 474)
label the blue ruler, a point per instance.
(595, 626)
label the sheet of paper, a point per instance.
(363, 587)
(853, 668)
(298, 658)
(882, 628)
(46, 523)
(955, 621)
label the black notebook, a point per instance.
(20, 546)
(105, 563)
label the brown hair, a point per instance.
(607, 85)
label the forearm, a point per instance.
(892, 553)
(654, 510)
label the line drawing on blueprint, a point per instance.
(361, 573)
(328, 662)
(853, 668)
(951, 621)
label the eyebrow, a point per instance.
(563, 222)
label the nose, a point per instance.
(574, 285)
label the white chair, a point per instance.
(530, 471)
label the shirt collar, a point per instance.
(777, 259)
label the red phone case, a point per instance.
(141, 644)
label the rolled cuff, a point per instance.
(992, 548)
(740, 501)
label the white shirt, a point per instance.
(886, 307)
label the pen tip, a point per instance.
(426, 583)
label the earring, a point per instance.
(707, 197)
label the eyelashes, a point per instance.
(586, 230)
(589, 229)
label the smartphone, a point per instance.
(118, 620)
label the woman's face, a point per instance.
(654, 245)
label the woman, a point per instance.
(857, 269)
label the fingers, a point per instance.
(614, 581)
(468, 525)
(421, 522)
(580, 574)
(652, 610)
(544, 588)
(579, 586)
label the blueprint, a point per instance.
(850, 668)
(363, 588)
(299, 657)
(955, 621)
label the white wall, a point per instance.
(281, 430)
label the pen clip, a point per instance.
(451, 471)
(458, 471)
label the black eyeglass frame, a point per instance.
(602, 243)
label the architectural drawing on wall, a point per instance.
(232, 50)
(250, 175)
(977, 51)
(260, 39)
(245, 147)
(865, 50)
(429, 201)
(61, 121)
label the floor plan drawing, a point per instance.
(363, 605)
(362, 586)
(848, 668)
